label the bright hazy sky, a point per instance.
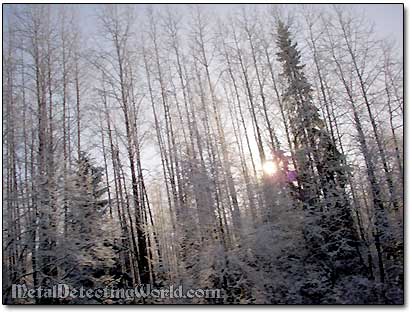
(388, 18)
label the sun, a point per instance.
(269, 167)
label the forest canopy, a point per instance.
(256, 149)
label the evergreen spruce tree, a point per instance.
(91, 253)
(331, 238)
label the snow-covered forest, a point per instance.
(257, 150)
